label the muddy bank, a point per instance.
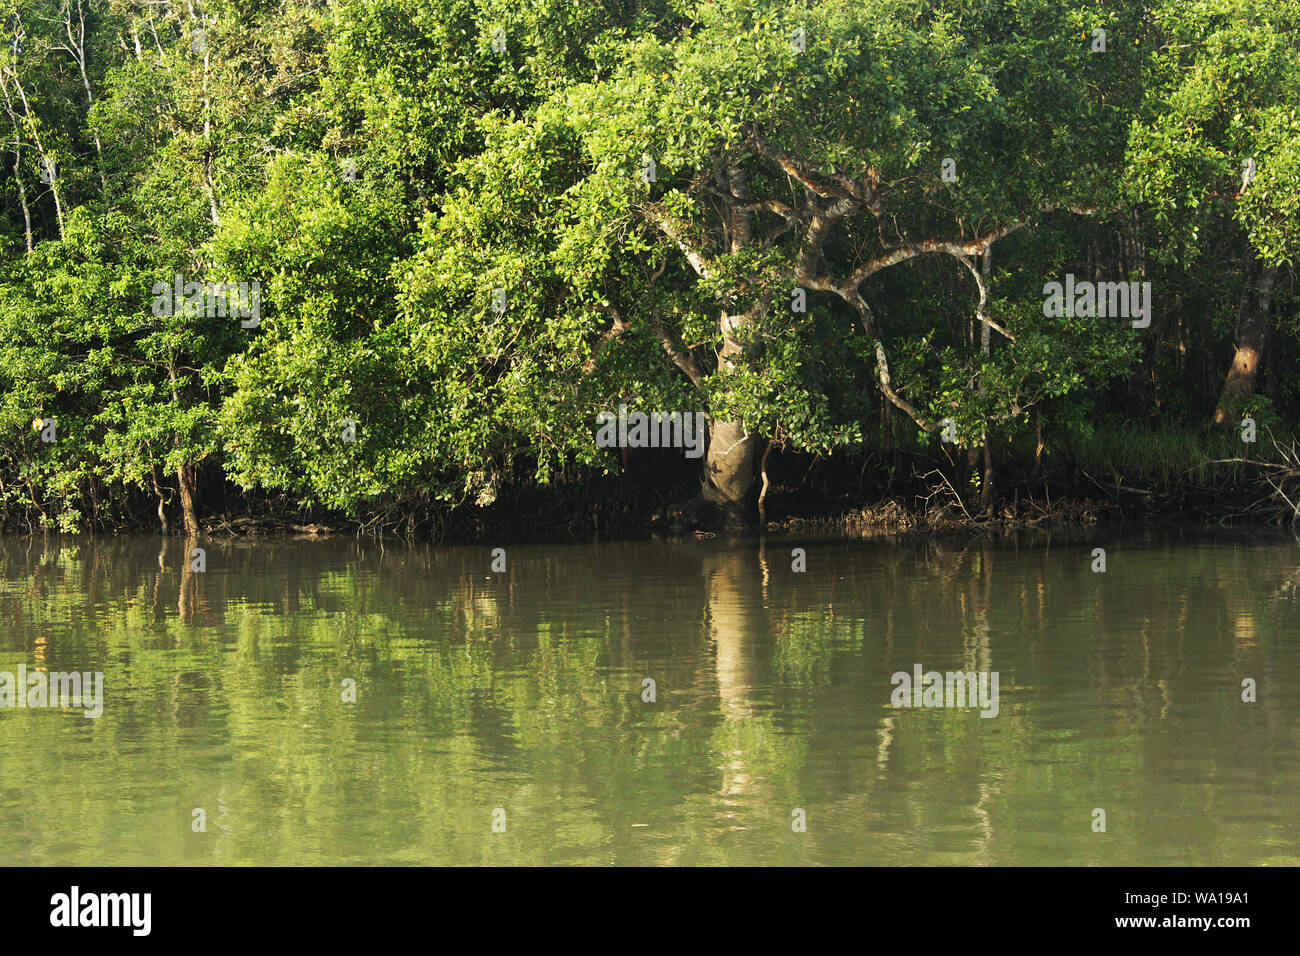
(663, 502)
(630, 515)
(893, 518)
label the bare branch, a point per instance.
(959, 248)
(683, 360)
(980, 310)
(887, 389)
(674, 231)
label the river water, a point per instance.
(504, 717)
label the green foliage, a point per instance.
(382, 167)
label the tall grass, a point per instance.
(1126, 451)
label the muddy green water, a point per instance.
(522, 691)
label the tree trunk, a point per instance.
(986, 344)
(729, 469)
(185, 479)
(22, 199)
(728, 482)
(162, 503)
(1254, 317)
(986, 485)
(729, 461)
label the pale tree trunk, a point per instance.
(18, 172)
(986, 341)
(22, 198)
(1254, 316)
(728, 480)
(209, 185)
(729, 468)
(729, 462)
(974, 454)
(162, 503)
(76, 46)
(47, 161)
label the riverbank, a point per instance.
(1119, 474)
(621, 513)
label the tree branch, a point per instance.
(673, 231)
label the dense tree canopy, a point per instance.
(468, 227)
